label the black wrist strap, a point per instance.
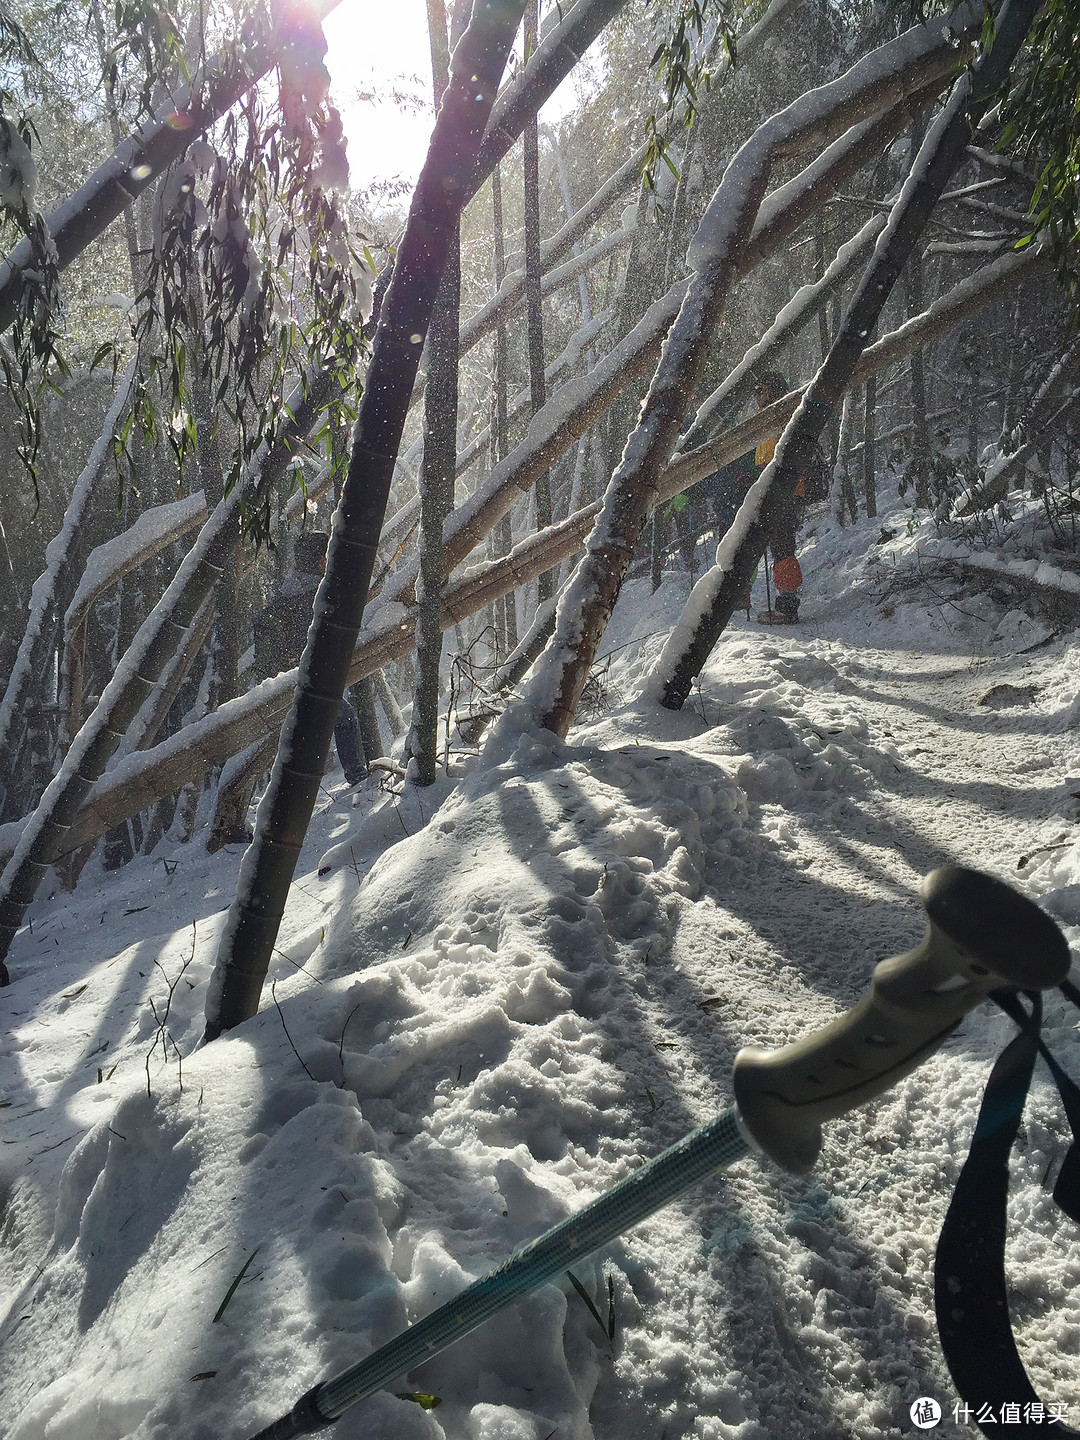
(969, 1270)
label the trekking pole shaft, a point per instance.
(652, 1186)
(981, 935)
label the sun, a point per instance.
(380, 69)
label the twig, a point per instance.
(341, 1042)
(297, 966)
(288, 1037)
(164, 1034)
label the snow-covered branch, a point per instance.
(56, 584)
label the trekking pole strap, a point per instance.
(970, 1291)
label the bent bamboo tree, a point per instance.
(717, 253)
(140, 158)
(715, 598)
(53, 590)
(255, 719)
(449, 171)
(157, 640)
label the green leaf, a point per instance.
(426, 1402)
(593, 1311)
(233, 1287)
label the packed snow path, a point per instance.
(500, 1011)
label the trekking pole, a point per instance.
(981, 936)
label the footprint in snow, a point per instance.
(1001, 697)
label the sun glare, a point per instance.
(380, 67)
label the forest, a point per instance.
(485, 652)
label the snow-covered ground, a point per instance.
(482, 1017)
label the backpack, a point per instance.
(816, 476)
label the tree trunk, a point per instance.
(363, 696)
(717, 253)
(252, 926)
(870, 447)
(689, 648)
(389, 705)
(829, 300)
(846, 500)
(534, 306)
(236, 785)
(439, 464)
(245, 721)
(919, 473)
(506, 611)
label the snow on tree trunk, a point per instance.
(161, 633)
(716, 255)
(715, 597)
(54, 588)
(141, 778)
(450, 169)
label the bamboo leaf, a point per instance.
(593, 1311)
(426, 1402)
(233, 1287)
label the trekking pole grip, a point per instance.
(981, 935)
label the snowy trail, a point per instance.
(829, 881)
(504, 1006)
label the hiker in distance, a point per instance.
(728, 489)
(281, 630)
